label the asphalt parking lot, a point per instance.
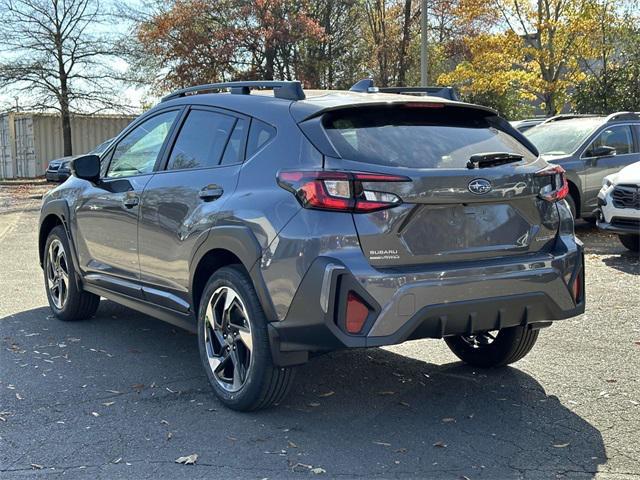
(123, 395)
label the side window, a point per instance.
(618, 137)
(201, 140)
(260, 134)
(234, 153)
(137, 152)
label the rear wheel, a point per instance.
(66, 300)
(234, 344)
(493, 349)
(631, 242)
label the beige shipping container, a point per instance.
(29, 141)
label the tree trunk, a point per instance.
(66, 129)
(404, 45)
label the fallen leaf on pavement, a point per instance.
(318, 471)
(35, 466)
(108, 404)
(561, 445)
(440, 444)
(188, 460)
(384, 444)
(328, 394)
(292, 445)
(448, 420)
(95, 414)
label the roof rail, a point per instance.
(623, 116)
(367, 86)
(288, 90)
(567, 116)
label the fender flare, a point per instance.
(59, 208)
(240, 241)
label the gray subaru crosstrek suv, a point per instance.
(279, 227)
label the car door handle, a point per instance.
(210, 192)
(131, 201)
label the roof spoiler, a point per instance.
(287, 90)
(367, 86)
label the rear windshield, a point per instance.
(417, 137)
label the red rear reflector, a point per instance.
(576, 288)
(357, 313)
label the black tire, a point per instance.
(78, 304)
(630, 242)
(509, 346)
(263, 384)
(572, 206)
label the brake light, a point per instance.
(558, 187)
(340, 191)
(357, 313)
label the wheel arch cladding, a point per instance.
(48, 223)
(574, 191)
(227, 245)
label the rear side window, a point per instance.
(201, 141)
(416, 137)
(234, 153)
(259, 135)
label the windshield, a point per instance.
(101, 148)
(414, 137)
(563, 137)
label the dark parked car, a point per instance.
(589, 148)
(280, 227)
(524, 125)
(59, 170)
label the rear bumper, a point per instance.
(428, 303)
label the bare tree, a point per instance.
(59, 54)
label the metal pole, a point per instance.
(424, 74)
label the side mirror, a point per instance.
(602, 151)
(86, 167)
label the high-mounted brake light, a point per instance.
(340, 191)
(558, 187)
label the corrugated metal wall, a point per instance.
(32, 140)
(6, 146)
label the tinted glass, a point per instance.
(416, 137)
(618, 137)
(137, 152)
(234, 152)
(562, 137)
(259, 135)
(201, 140)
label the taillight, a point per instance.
(558, 187)
(340, 191)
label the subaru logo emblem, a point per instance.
(479, 186)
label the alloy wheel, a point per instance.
(57, 274)
(228, 340)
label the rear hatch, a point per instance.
(448, 209)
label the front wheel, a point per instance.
(234, 344)
(493, 349)
(67, 301)
(630, 242)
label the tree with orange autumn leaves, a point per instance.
(509, 54)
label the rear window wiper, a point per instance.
(493, 159)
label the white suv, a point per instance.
(619, 205)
